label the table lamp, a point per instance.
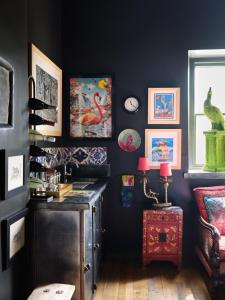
(144, 168)
(165, 172)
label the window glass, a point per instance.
(205, 77)
(202, 124)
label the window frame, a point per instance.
(195, 62)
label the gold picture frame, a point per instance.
(163, 145)
(164, 105)
(48, 88)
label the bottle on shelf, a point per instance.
(37, 104)
(37, 120)
(37, 167)
(36, 183)
(35, 136)
(37, 151)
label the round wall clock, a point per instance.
(131, 104)
(129, 140)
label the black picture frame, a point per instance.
(11, 245)
(5, 155)
(6, 97)
(91, 76)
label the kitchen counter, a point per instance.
(73, 202)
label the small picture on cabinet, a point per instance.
(163, 145)
(48, 81)
(6, 94)
(128, 191)
(12, 173)
(13, 236)
(163, 105)
(127, 180)
(91, 107)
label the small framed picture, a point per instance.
(91, 107)
(127, 180)
(13, 236)
(163, 145)
(163, 105)
(6, 93)
(12, 173)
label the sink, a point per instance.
(79, 194)
(82, 184)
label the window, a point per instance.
(206, 69)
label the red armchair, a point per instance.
(211, 232)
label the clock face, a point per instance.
(131, 104)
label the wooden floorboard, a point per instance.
(124, 278)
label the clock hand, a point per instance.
(132, 104)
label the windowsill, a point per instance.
(200, 174)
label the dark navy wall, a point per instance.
(144, 44)
(13, 48)
(44, 30)
(22, 22)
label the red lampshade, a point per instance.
(143, 164)
(165, 169)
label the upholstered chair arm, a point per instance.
(208, 240)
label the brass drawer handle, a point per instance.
(96, 246)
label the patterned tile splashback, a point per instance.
(74, 155)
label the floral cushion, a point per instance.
(201, 192)
(215, 207)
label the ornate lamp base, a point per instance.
(161, 205)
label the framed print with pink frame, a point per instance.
(163, 105)
(163, 145)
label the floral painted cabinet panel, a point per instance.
(162, 235)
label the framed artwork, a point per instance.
(127, 180)
(163, 145)
(129, 140)
(6, 94)
(13, 236)
(163, 105)
(128, 191)
(91, 107)
(12, 173)
(48, 88)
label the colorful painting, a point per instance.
(128, 180)
(163, 145)
(48, 81)
(127, 196)
(91, 107)
(164, 105)
(129, 140)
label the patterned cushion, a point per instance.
(215, 207)
(201, 192)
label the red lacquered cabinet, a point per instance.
(162, 235)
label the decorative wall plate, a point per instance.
(129, 140)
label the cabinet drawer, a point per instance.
(161, 216)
